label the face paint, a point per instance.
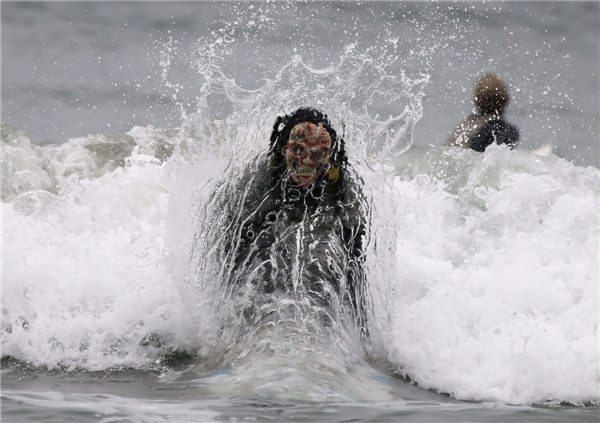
(307, 152)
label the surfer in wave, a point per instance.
(296, 226)
(489, 124)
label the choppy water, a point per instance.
(483, 268)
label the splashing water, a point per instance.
(222, 151)
(482, 268)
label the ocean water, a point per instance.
(76, 68)
(483, 268)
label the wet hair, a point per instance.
(491, 95)
(281, 134)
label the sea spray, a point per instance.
(220, 144)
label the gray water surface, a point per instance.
(143, 396)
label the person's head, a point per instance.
(491, 95)
(306, 146)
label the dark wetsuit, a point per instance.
(306, 242)
(497, 130)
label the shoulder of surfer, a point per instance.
(496, 130)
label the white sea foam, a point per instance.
(85, 272)
(496, 284)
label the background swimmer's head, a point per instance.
(491, 95)
(281, 135)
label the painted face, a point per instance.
(307, 152)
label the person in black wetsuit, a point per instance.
(296, 224)
(488, 125)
